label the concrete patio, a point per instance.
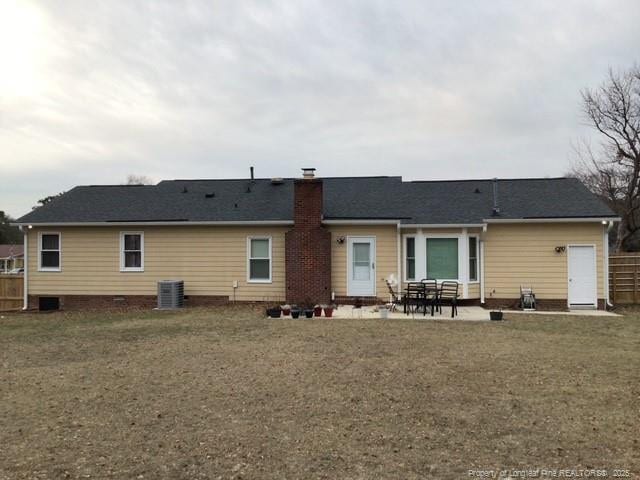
(471, 314)
(478, 314)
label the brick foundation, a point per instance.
(123, 302)
(308, 248)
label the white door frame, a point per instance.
(372, 239)
(595, 272)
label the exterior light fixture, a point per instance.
(560, 249)
(340, 240)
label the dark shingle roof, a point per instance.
(430, 202)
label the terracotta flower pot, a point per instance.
(328, 312)
(317, 311)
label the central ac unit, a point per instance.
(170, 294)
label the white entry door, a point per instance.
(582, 276)
(361, 267)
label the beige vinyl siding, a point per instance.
(208, 259)
(386, 255)
(474, 290)
(524, 254)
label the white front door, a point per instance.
(361, 267)
(582, 276)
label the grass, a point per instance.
(225, 393)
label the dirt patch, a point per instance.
(225, 393)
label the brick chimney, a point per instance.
(308, 245)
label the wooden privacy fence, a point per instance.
(11, 290)
(624, 278)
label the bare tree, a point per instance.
(613, 170)
(138, 180)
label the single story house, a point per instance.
(314, 240)
(11, 258)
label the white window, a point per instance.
(473, 259)
(410, 258)
(131, 251)
(259, 259)
(49, 252)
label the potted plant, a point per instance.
(317, 310)
(274, 312)
(295, 311)
(308, 312)
(496, 314)
(286, 310)
(328, 310)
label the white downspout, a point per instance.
(25, 275)
(399, 257)
(605, 251)
(481, 272)
(464, 268)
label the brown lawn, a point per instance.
(226, 393)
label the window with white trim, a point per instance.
(473, 259)
(410, 258)
(442, 258)
(259, 259)
(49, 252)
(131, 252)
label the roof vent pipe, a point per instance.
(308, 173)
(496, 209)
(251, 171)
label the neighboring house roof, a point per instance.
(420, 202)
(11, 251)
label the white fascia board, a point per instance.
(371, 221)
(442, 225)
(167, 224)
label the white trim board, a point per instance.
(553, 220)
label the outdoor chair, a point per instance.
(527, 298)
(430, 294)
(413, 298)
(448, 295)
(394, 298)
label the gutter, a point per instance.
(553, 220)
(159, 223)
(370, 221)
(443, 225)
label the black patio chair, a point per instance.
(413, 298)
(448, 295)
(430, 294)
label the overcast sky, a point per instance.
(93, 91)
